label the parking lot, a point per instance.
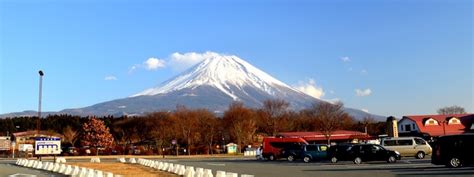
(405, 167)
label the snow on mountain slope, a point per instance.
(224, 72)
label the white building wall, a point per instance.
(402, 126)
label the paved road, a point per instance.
(8, 168)
(408, 167)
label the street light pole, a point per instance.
(38, 123)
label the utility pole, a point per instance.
(38, 123)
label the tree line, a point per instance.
(199, 131)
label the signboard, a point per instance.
(5, 143)
(47, 146)
(25, 148)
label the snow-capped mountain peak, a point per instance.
(224, 72)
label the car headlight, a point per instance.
(396, 152)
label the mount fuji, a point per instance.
(213, 84)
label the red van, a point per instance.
(275, 147)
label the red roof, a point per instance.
(442, 128)
(319, 136)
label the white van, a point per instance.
(408, 146)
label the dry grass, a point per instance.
(127, 170)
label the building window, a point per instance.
(407, 127)
(413, 126)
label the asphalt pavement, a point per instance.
(407, 167)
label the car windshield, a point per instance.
(380, 147)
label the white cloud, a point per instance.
(185, 60)
(345, 59)
(364, 92)
(154, 63)
(365, 110)
(364, 71)
(310, 88)
(332, 100)
(110, 78)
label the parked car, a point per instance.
(408, 146)
(454, 150)
(292, 152)
(359, 153)
(340, 152)
(314, 152)
(276, 147)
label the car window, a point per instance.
(405, 142)
(323, 148)
(389, 143)
(311, 148)
(420, 141)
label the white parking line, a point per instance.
(216, 164)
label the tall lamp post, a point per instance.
(38, 123)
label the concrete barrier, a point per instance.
(60, 160)
(98, 173)
(157, 164)
(243, 175)
(121, 160)
(228, 174)
(182, 170)
(90, 173)
(56, 167)
(39, 165)
(132, 160)
(62, 168)
(68, 170)
(165, 166)
(51, 166)
(18, 161)
(220, 174)
(208, 173)
(45, 166)
(75, 171)
(199, 172)
(35, 164)
(95, 160)
(30, 163)
(108, 174)
(170, 167)
(189, 171)
(83, 172)
(176, 169)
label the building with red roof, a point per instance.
(436, 125)
(319, 137)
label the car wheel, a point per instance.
(420, 155)
(391, 159)
(306, 159)
(454, 162)
(333, 160)
(291, 158)
(271, 157)
(357, 160)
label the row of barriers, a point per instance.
(62, 168)
(181, 170)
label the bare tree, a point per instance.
(70, 135)
(329, 117)
(273, 117)
(241, 123)
(207, 123)
(451, 110)
(186, 122)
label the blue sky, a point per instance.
(388, 57)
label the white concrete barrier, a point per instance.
(182, 170)
(98, 173)
(228, 174)
(189, 171)
(45, 166)
(75, 171)
(132, 160)
(60, 160)
(199, 172)
(90, 173)
(95, 160)
(121, 160)
(208, 173)
(56, 167)
(108, 174)
(83, 172)
(18, 161)
(51, 166)
(68, 170)
(170, 167)
(220, 174)
(157, 164)
(165, 166)
(62, 168)
(39, 165)
(30, 163)
(176, 168)
(244, 175)
(35, 164)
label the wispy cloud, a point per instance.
(365, 110)
(309, 87)
(110, 78)
(363, 92)
(364, 71)
(346, 59)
